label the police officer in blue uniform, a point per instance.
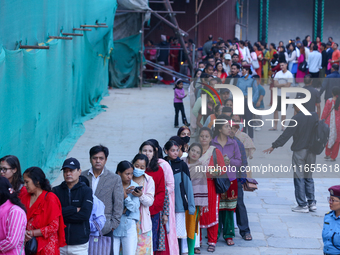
(331, 225)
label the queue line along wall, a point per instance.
(46, 95)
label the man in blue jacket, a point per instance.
(331, 80)
(76, 201)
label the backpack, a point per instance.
(320, 137)
(303, 66)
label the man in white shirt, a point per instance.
(315, 64)
(283, 78)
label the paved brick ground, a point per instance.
(134, 116)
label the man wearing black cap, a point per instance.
(331, 225)
(76, 201)
(302, 158)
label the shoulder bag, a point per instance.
(222, 183)
(250, 185)
(183, 194)
(99, 244)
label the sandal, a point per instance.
(229, 241)
(247, 237)
(272, 129)
(211, 248)
(197, 251)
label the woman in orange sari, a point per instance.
(44, 214)
(259, 55)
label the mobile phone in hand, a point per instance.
(139, 188)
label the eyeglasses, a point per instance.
(4, 169)
(331, 200)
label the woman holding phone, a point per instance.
(146, 198)
(126, 233)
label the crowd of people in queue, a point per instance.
(153, 204)
(157, 204)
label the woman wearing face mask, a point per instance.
(200, 189)
(126, 233)
(169, 219)
(184, 133)
(184, 197)
(146, 198)
(10, 169)
(157, 209)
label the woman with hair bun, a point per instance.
(12, 220)
(44, 214)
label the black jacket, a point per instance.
(302, 132)
(77, 229)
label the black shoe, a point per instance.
(176, 126)
(187, 124)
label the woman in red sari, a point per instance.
(44, 216)
(209, 214)
(221, 73)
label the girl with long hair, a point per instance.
(10, 169)
(161, 202)
(184, 197)
(170, 218)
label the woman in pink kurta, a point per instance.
(12, 220)
(170, 185)
(300, 75)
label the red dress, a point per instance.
(158, 177)
(46, 214)
(209, 215)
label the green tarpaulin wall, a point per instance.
(125, 62)
(45, 95)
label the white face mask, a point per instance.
(138, 172)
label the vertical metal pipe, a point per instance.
(193, 59)
(196, 19)
(247, 18)
(141, 53)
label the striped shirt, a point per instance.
(13, 223)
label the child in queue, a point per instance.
(126, 233)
